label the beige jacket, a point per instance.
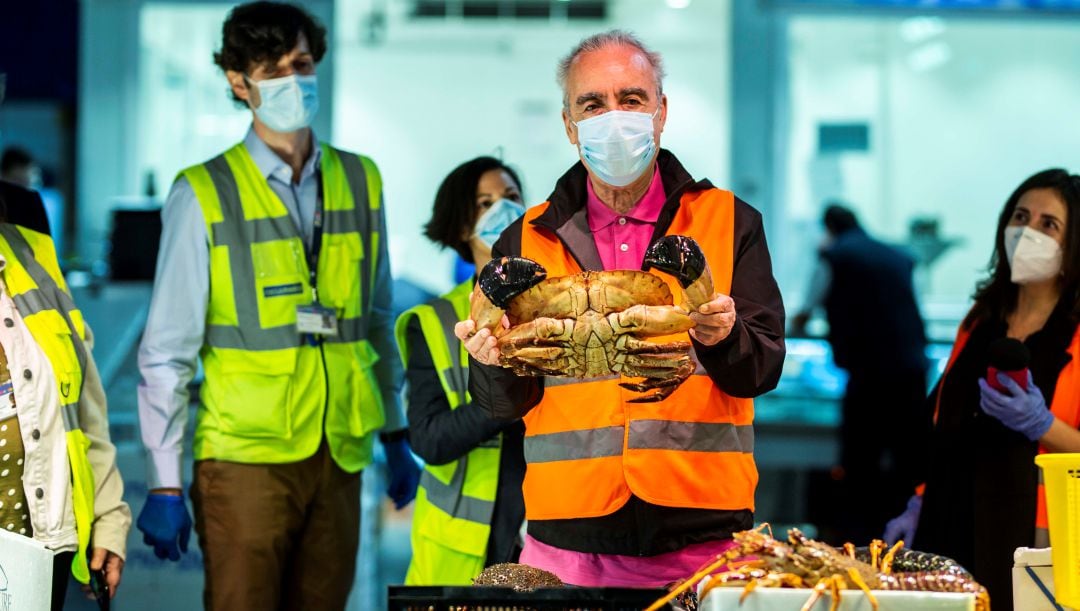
(47, 473)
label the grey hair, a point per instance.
(599, 41)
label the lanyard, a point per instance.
(316, 240)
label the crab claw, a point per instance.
(681, 257)
(500, 281)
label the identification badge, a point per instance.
(316, 319)
(7, 401)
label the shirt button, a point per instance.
(624, 247)
(36, 434)
(39, 493)
(9, 323)
(27, 374)
(622, 220)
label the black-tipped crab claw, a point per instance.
(500, 281)
(503, 279)
(681, 257)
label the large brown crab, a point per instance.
(596, 324)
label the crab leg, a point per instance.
(887, 561)
(664, 385)
(651, 320)
(857, 579)
(535, 331)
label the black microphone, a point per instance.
(1010, 357)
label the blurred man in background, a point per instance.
(18, 175)
(18, 167)
(876, 333)
(273, 268)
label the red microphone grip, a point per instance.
(1018, 375)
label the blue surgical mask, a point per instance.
(496, 219)
(288, 103)
(617, 145)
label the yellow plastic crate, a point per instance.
(1061, 476)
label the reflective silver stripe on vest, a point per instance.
(70, 414)
(238, 234)
(47, 296)
(574, 445)
(456, 376)
(690, 436)
(273, 338)
(349, 330)
(31, 301)
(450, 499)
(356, 178)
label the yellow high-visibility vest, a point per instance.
(269, 396)
(37, 287)
(454, 503)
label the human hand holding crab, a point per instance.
(598, 324)
(714, 320)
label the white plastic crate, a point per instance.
(1028, 594)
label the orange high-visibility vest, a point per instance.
(587, 448)
(1065, 404)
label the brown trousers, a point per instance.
(277, 537)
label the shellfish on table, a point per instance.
(758, 560)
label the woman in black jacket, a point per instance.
(469, 507)
(982, 494)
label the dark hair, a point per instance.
(259, 32)
(455, 204)
(995, 297)
(839, 219)
(14, 157)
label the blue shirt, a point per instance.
(168, 354)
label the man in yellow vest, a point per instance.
(619, 493)
(273, 270)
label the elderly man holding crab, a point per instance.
(624, 488)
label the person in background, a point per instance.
(469, 507)
(17, 166)
(982, 497)
(877, 335)
(620, 493)
(273, 269)
(19, 179)
(58, 478)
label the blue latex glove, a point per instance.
(404, 472)
(1023, 411)
(164, 522)
(903, 526)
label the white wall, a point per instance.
(960, 112)
(436, 93)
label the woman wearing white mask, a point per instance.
(982, 498)
(469, 506)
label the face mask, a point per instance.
(288, 103)
(496, 219)
(617, 145)
(1033, 256)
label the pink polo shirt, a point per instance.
(622, 239)
(613, 571)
